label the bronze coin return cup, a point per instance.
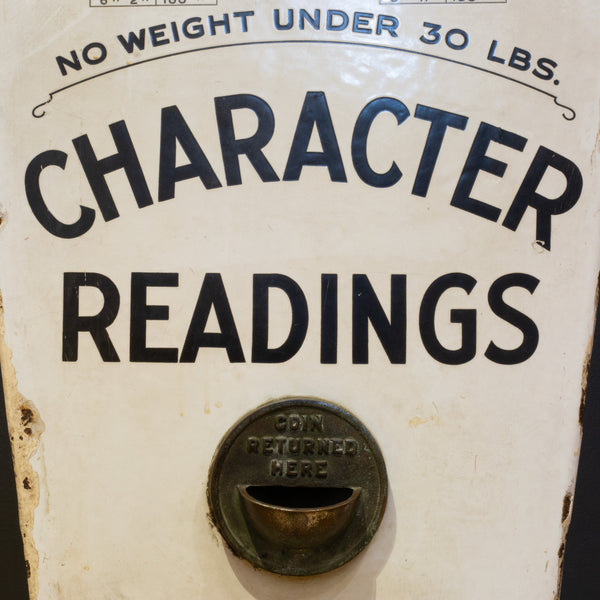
(297, 487)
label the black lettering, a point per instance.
(212, 295)
(465, 317)
(174, 129)
(74, 63)
(329, 319)
(522, 322)
(243, 16)
(133, 41)
(359, 141)
(39, 208)
(342, 22)
(479, 161)
(94, 59)
(440, 121)
(367, 308)
(387, 23)
(360, 22)
(232, 148)
(315, 112)
(175, 31)
(192, 28)
(545, 69)
(96, 325)
(527, 196)
(141, 312)
(492, 54)
(520, 59)
(277, 20)
(261, 353)
(304, 17)
(96, 170)
(157, 35)
(213, 24)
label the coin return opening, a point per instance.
(299, 497)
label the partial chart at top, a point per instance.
(443, 2)
(134, 3)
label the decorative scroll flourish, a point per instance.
(568, 117)
(569, 113)
(35, 112)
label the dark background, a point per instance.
(581, 578)
(581, 575)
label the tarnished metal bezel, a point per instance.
(232, 468)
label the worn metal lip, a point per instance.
(298, 529)
(248, 497)
(227, 441)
